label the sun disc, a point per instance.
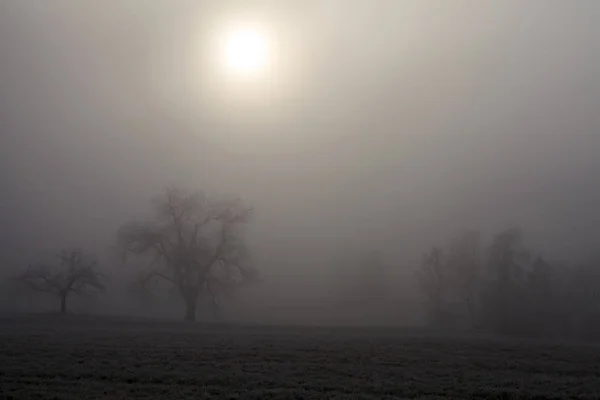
(246, 51)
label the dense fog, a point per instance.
(383, 129)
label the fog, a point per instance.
(385, 126)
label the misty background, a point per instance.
(384, 127)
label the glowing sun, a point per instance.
(246, 51)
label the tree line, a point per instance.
(505, 288)
(195, 246)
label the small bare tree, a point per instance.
(195, 244)
(72, 274)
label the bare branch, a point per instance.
(73, 274)
(165, 277)
(192, 236)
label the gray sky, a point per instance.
(391, 124)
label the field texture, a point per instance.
(85, 358)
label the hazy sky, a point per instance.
(391, 124)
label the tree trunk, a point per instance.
(63, 303)
(190, 308)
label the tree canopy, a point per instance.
(194, 243)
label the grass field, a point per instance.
(90, 358)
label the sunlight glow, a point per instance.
(246, 52)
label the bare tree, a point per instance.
(465, 267)
(507, 259)
(433, 280)
(507, 256)
(194, 244)
(72, 274)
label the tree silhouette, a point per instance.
(73, 274)
(194, 244)
(507, 259)
(464, 266)
(433, 279)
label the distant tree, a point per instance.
(195, 244)
(464, 267)
(504, 298)
(507, 256)
(511, 292)
(433, 280)
(583, 300)
(547, 301)
(73, 274)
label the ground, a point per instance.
(93, 358)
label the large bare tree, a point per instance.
(75, 273)
(194, 243)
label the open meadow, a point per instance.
(91, 358)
